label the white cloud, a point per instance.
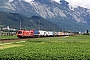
(82, 3)
(76, 3)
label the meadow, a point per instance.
(8, 37)
(51, 48)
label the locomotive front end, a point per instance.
(20, 33)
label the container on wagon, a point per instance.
(49, 33)
(36, 33)
(42, 33)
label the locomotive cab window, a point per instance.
(19, 32)
(31, 32)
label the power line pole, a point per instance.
(54, 30)
(38, 24)
(20, 24)
(0, 28)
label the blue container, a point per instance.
(36, 32)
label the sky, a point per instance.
(76, 3)
(73, 3)
(82, 3)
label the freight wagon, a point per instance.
(49, 33)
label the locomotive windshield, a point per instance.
(19, 32)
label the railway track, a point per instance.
(20, 39)
(15, 39)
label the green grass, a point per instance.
(55, 48)
(8, 46)
(8, 37)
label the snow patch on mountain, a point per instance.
(10, 0)
(8, 5)
(58, 1)
(29, 1)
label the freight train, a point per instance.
(40, 33)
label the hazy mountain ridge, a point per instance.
(13, 21)
(60, 14)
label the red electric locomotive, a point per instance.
(25, 33)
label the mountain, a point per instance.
(13, 21)
(61, 14)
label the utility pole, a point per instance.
(8, 30)
(38, 24)
(54, 32)
(20, 24)
(0, 28)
